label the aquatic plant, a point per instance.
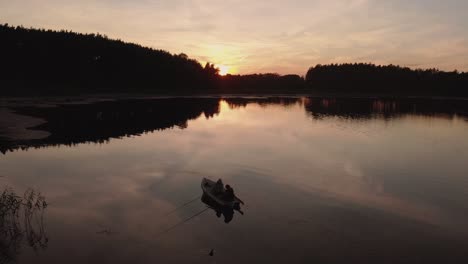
(21, 218)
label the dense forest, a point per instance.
(385, 80)
(57, 62)
(47, 62)
(262, 83)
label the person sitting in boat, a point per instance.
(219, 187)
(229, 193)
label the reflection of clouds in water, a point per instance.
(353, 170)
(288, 169)
(328, 148)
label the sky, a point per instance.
(247, 36)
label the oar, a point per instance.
(242, 202)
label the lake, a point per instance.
(324, 180)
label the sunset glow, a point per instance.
(269, 36)
(223, 69)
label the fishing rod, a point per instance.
(183, 205)
(182, 222)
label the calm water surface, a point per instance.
(324, 181)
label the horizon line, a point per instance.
(104, 35)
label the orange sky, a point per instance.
(269, 36)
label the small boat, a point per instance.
(208, 185)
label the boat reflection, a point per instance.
(226, 212)
(221, 199)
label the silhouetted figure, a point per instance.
(219, 187)
(229, 193)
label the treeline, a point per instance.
(47, 62)
(38, 61)
(386, 80)
(261, 83)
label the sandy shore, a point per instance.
(15, 127)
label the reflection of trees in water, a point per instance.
(21, 219)
(79, 123)
(239, 102)
(72, 124)
(361, 108)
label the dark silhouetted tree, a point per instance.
(389, 79)
(38, 61)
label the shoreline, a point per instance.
(15, 127)
(93, 98)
